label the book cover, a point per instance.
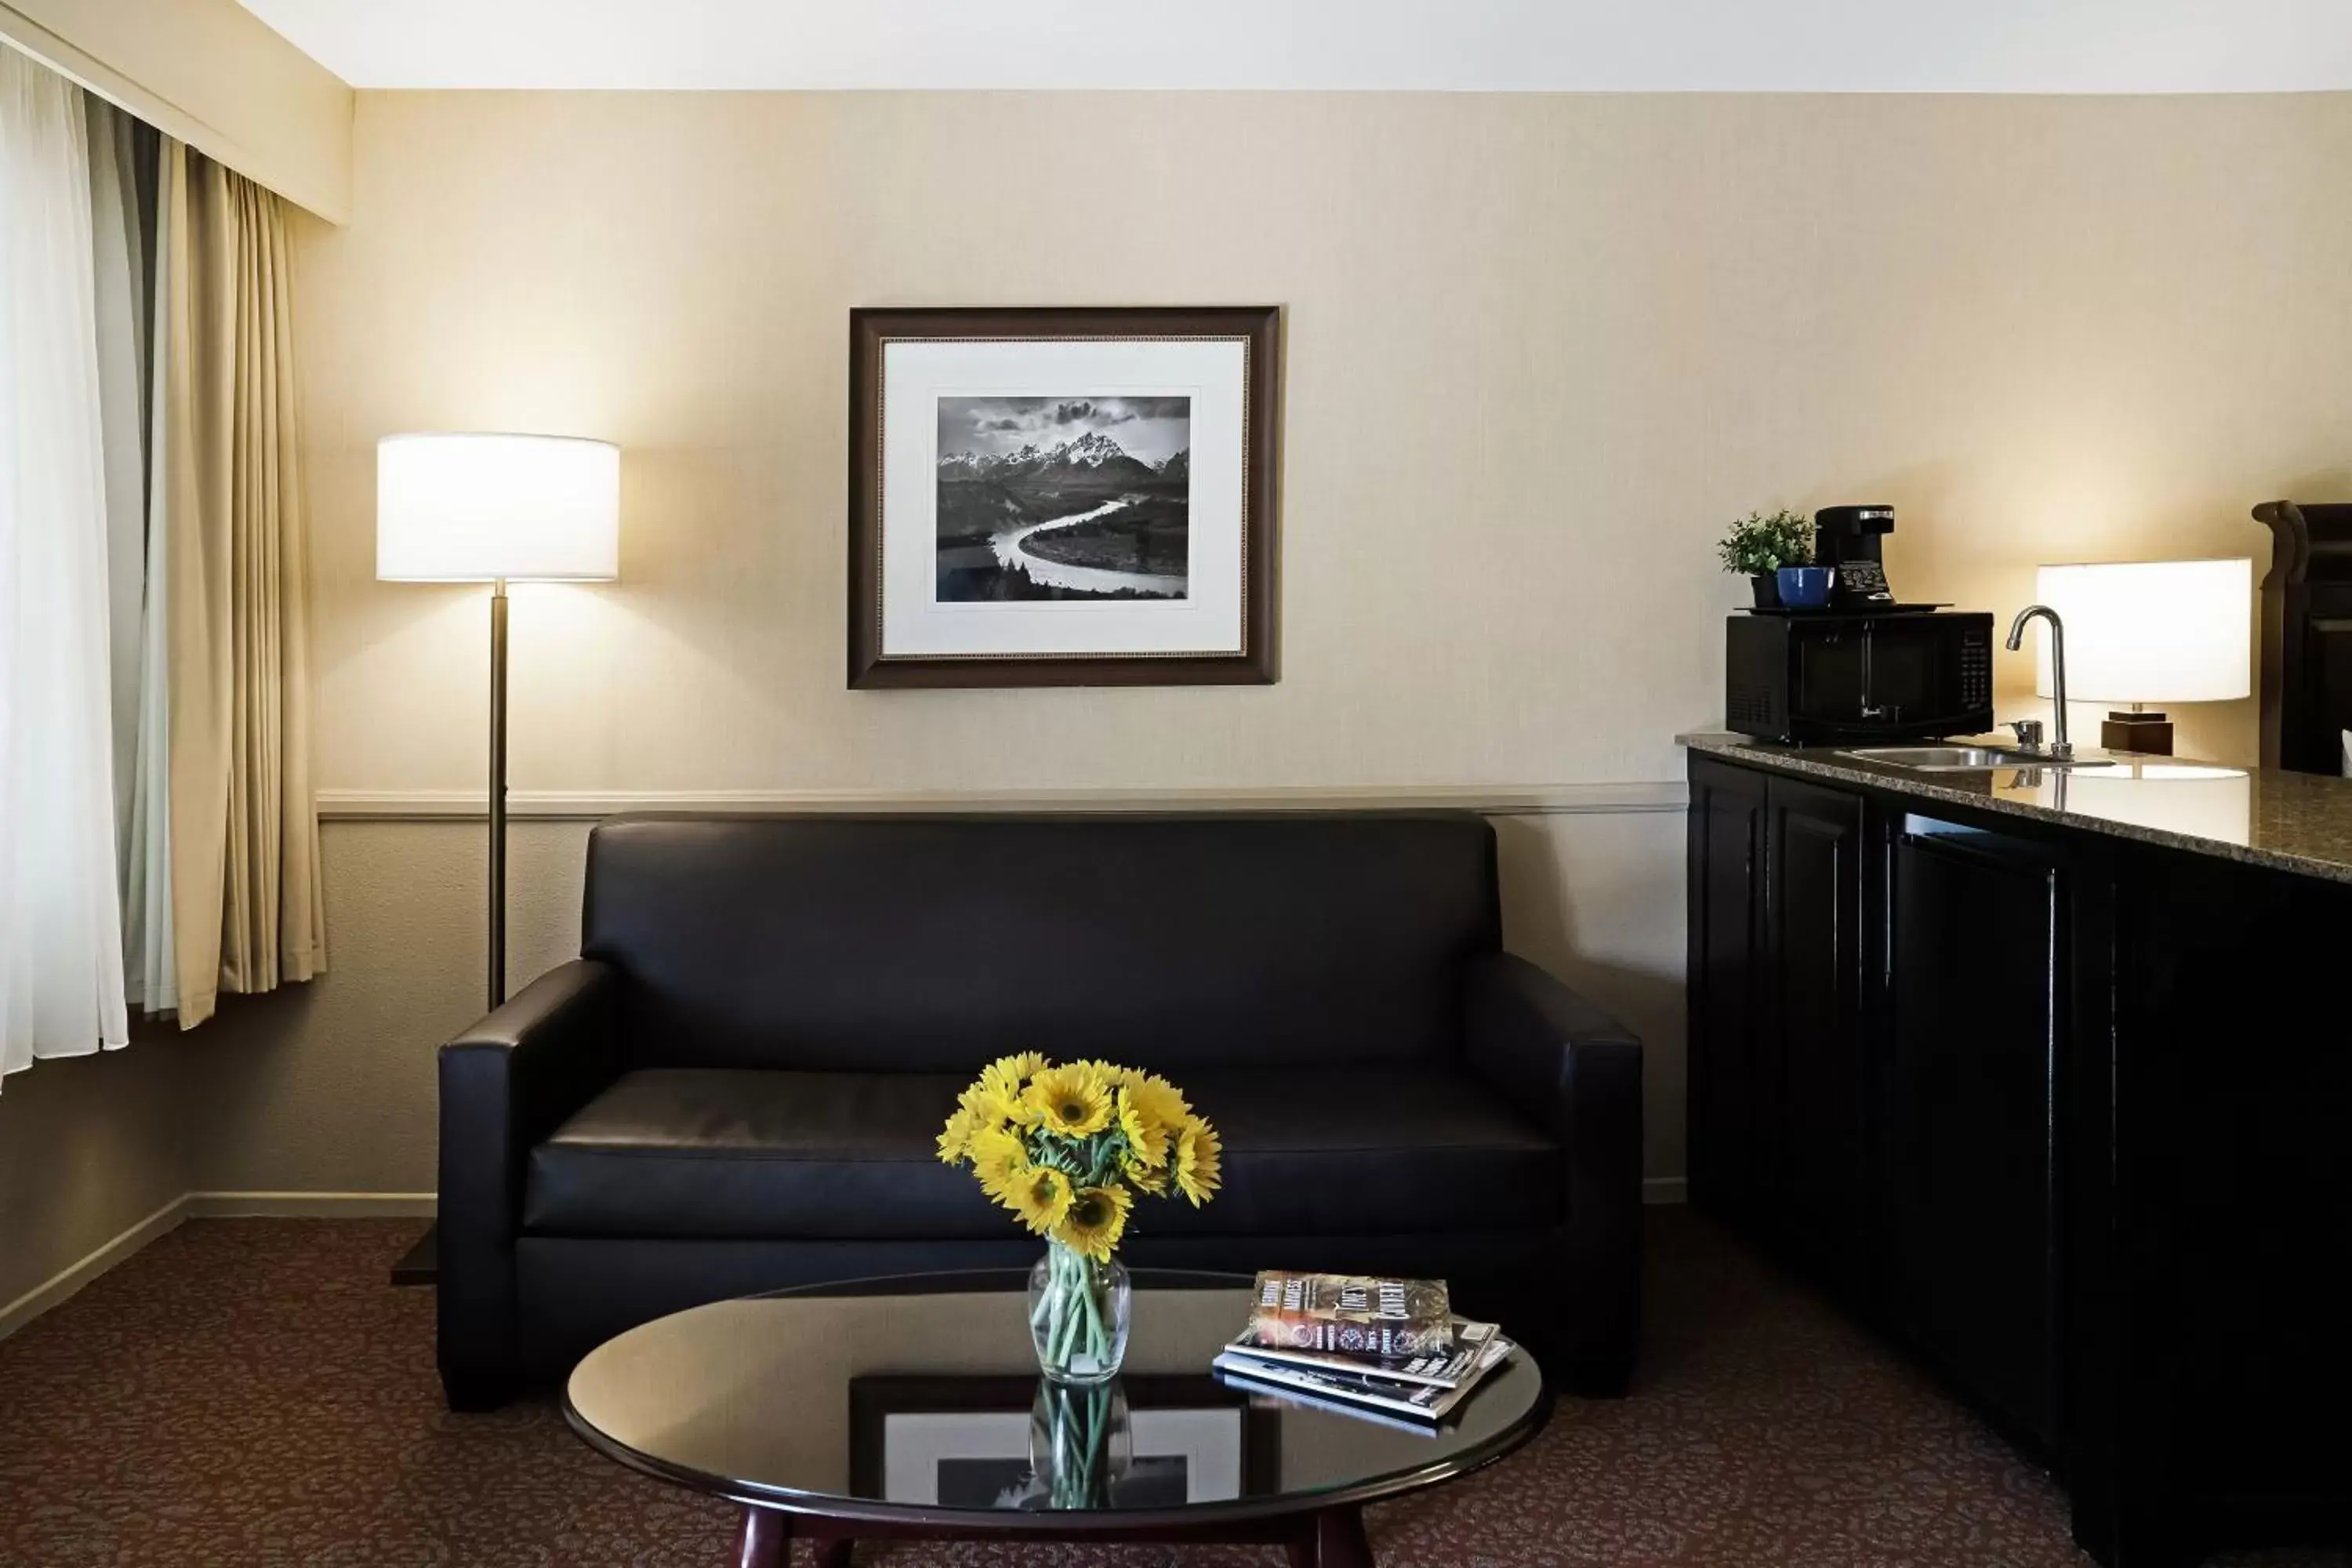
(1445, 1369)
(1352, 1314)
(1236, 1377)
(1423, 1402)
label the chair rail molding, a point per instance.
(1493, 800)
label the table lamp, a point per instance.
(2150, 631)
(497, 508)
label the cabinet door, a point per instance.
(1976, 1013)
(1726, 1014)
(1814, 1100)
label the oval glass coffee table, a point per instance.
(911, 1407)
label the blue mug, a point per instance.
(1804, 587)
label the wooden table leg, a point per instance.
(765, 1541)
(1336, 1539)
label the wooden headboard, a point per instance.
(2307, 637)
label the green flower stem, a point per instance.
(1071, 1290)
(1067, 1344)
(1073, 1312)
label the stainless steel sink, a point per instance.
(1967, 759)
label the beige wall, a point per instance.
(212, 74)
(90, 1146)
(1539, 350)
(329, 1087)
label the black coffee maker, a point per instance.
(1846, 540)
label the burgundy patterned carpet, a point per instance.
(251, 1391)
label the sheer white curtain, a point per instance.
(122, 220)
(61, 980)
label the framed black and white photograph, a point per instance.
(963, 1441)
(1062, 497)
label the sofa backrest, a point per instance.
(933, 943)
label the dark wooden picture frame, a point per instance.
(871, 329)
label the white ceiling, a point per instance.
(1777, 46)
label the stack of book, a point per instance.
(1379, 1348)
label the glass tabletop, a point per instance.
(916, 1399)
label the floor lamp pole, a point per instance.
(498, 792)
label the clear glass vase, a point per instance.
(1077, 1315)
(1080, 1446)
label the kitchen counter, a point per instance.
(2287, 821)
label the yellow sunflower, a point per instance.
(1157, 1100)
(1198, 1158)
(955, 1139)
(977, 1108)
(1096, 1219)
(1000, 1159)
(1150, 1183)
(1071, 1101)
(1147, 1136)
(1041, 1197)
(1004, 1076)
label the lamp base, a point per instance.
(2147, 733)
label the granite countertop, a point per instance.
(2293, 821)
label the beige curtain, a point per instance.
(245, 907)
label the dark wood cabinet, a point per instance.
(1876, 1034)
(2220, 1394)
(2307, 637)
(1812, 1156)
(1774, 931)
(1727, 1003)
(2060, 1112)
(1970, 1080)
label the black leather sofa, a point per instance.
(737, 1085)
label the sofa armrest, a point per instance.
(506, 1083)
(1577, 1072)
(1557, 1057)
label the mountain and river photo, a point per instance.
(1085, 499)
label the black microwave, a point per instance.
(1822, 677)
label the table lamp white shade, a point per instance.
(477, 508)
(2151, 631)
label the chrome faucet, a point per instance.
(2060, 750)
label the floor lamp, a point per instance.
(496, 509)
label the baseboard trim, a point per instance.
(1662, 1190)
(588, 805)
(73, 1277)
(311, 1205)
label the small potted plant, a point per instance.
(1760, 544)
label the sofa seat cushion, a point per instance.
(736, 1153)
(728, 1152)
(1366, 1150)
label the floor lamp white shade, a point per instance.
(457, 507)
(2152, 631)
(497, 510)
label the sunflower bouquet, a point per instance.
(1067, 1149)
